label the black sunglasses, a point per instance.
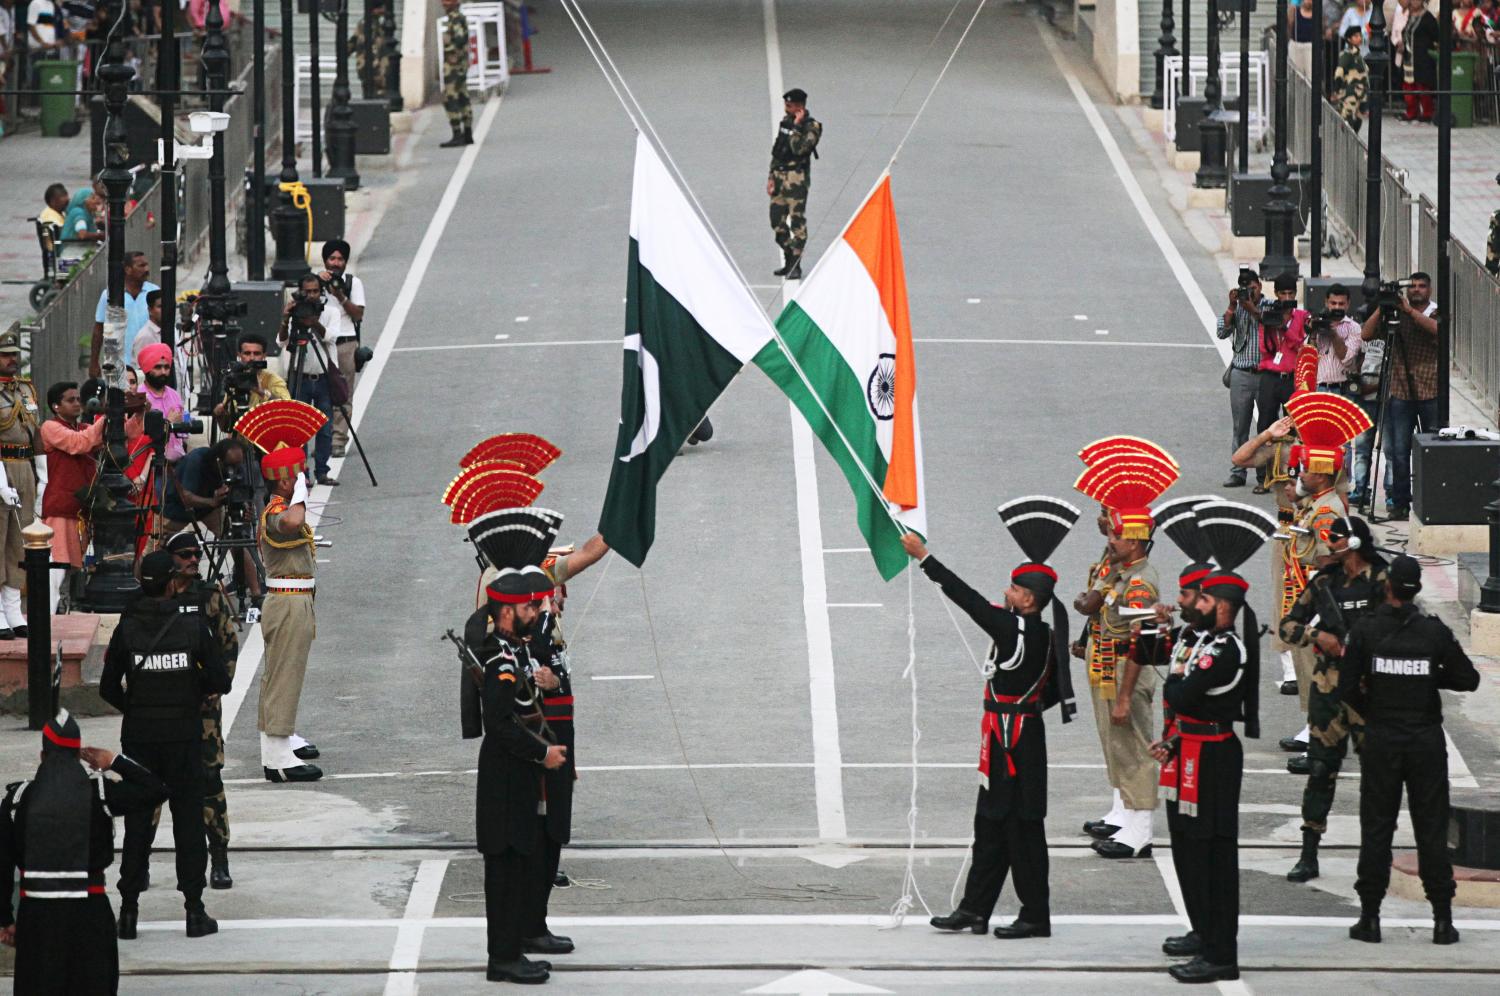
(188, 554)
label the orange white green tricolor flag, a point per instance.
(850, 334)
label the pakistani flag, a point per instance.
(690, 325)
(855, 376)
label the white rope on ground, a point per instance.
(909, 888)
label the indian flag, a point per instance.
(855, 375)
(690, 325)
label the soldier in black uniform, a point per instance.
(159, 666)
(510, 809)
(59, 829)
(1396, 661)
(1342, 592)
(1215, 689)
(1028, 672)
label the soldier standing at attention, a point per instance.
(208, 602)
(19, 441)
(792, 154)
(456, 76)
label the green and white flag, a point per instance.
(690, 325)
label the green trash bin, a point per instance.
(57, 78)
(1465, 65)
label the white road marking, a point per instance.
(253, 646)
(1459, 775)
(1197, 300)
(502, 336)
(855, 605)
(503, 345)
(798, 920)
(1067, 342)
(1101, 331)
(1080, 318)
(522, 318)
(828, 759)
(426, 888)
(973, 300)
(621, 677)
(1163, 861)
(847, 549)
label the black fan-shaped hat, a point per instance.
(1038, 524)
(1176, 518)
(515, 537)
(1232, 531)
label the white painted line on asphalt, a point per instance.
(1068, 342)
(522, 318)
(1197, 300)
(973, 300)
(621, 677)
(1080, 318)
(855, 605)
(503, 345)
(502, 336)
(426, 888)
(253, 646)
(1459, 775)
(1101, 331)
(847, 549)
(1163, 862)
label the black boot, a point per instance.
(1367, 929)
(1188, 945)
(787, 259)
(460, 137)
(129, 916)
(961, 919)
(1200, 971)
(199, 923)
(1020, 930)
(1443, 931)
(1306, 867)
(794, 271)
(218, 867)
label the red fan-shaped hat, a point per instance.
(533, 453)
(283, 464)
(1325, 423)
(1111, 445)
(1305, 376)
(275, 424)
(1126, 483)
(484, 488)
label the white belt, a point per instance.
(290, 584)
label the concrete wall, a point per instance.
(1117, 48)
(420, 50)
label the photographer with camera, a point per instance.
(210, 482)
(1283, 329)
(1339, 342)
(161, 396)
(1242, 320)
(342, 315)
(303, 331)
(247, 381)
(1408, 326)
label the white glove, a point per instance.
(299, 490)
(10, 496)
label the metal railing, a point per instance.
(1472, 304)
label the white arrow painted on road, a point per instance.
(832, 857)
(811, 982)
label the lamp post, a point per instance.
(255, 249)
(392, 59)
(1443, 292)
(113, 581)
(1243, 152)
(168, 73)
(1279, 212)
(1166, 46)
(1212, 132)
(340, 113)
(1379, 61)
(218, 308)
(315, 87)
(1315, 140)
(288, 224)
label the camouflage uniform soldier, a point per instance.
(1351, 80)
(1492, 245)
(1344, 591)
(792, 154)
(19, 441)
(196, 595)
(371, 27)
(456, 76)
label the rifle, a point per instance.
(1331, 617)
(470, 715)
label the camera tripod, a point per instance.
(1393, 341)
(299, 340)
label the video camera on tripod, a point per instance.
(1389, 300)
(158, 428)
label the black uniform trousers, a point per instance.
(513, 892)
(1208, 867)
(549, 860)
(67, 947)
(1010, 846)
(1423, 771)
(1177, 837)
(180, 764)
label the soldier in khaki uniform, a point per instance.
(19, 441)
(456, 76)
(1124, 475)
(209, 601)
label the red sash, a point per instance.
(1190, 758)
(1003, 719)
(1166, 782)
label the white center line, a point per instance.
(421, 903)
(847, 549)
(855, 605)
(621, 677)
(828, 758)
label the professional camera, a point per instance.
(306, 311)
(242, 376)
(237, 479)
(1325, 323)
(1388, 299)
(1276, 313)
(334, 280)
(1247, 277)
(158, 428)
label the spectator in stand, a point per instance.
(137, 310)
(54, 214)
(43, 31)
(1468, 24)
(132, 382)
(1283, 328)
(1419, 73)
(1242, 321)
(161, 396)
(1412, 405)
(1357, 16)
(1301, 22)
(70, 446)
(1396, 31)
(150, 333)
(80, 227)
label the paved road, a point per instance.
(1047, 316)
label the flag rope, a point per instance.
(910, 891)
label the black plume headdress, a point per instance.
(515, 537)
(1176, 518)
(1232, 531)
(1039, 524)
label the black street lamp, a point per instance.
(168, 76)
(255, 249)
(218, 308)
(340, 113)
(1280, 213)
(1379, 61)
(113, 582)
(1315, 141)
(288, 223)
(1243, 152)
(1444, 289)
(392, 59)
(1213, 134)
(1166, 46)
(315, 87)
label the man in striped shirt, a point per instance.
(1242, 320)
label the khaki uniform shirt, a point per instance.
(1124, 586)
